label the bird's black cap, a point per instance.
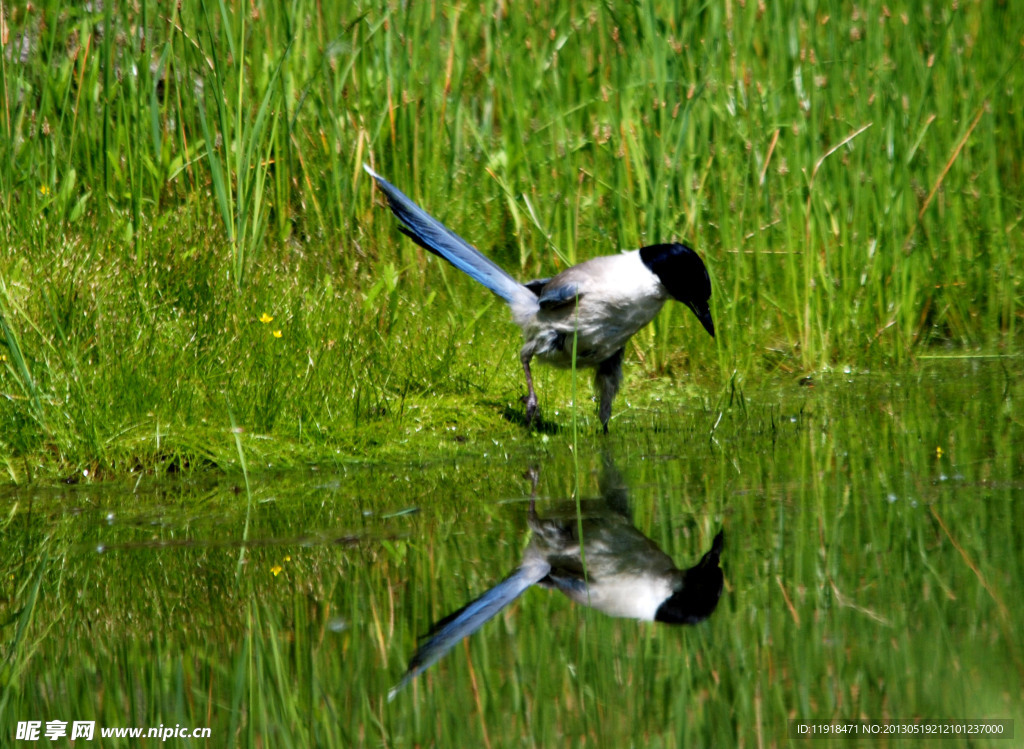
(698, 596)
(684, 276)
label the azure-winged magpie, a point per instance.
(620, 572)
(604, 300)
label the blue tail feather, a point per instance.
(437, 238)
(449, 631)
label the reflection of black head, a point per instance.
(701, 588)
(684, 276)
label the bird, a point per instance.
(591, 309)
(616, 570)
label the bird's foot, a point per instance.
(531, 407)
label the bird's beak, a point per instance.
(703, 313)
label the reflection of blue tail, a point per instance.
(432, 235)
(467, 620)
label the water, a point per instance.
(873, 568)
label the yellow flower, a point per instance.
(277, 334)
(938, 452)
(288, 558)
(276, 569)
(44, 190)
(265, 318)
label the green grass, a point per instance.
(168, 174)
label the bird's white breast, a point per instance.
(633, 596)
(618, 295)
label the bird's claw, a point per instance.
(531, 407)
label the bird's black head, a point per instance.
(699, 592)
(682, 273)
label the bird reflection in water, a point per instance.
(620, 572)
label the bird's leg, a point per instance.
(606, 382)
(531, 395)
(534, 476)
(614, 488)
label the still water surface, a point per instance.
(873, 556)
